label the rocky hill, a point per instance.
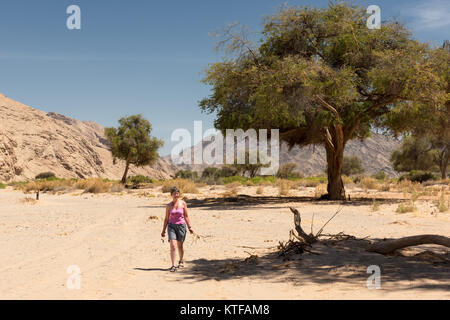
(32, 141)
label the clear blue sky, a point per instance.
(143, 56)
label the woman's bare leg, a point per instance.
(180, 250)
(173, 248)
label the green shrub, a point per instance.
(186, 174)
(352, 166)
(380, 175)
(46, 176)
(2, 186)
(228, 171)
(406, 207)
(210, 172)
(228, 180)
(139, 179)
(418, 176)
(259, 180)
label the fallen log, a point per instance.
(386, 247)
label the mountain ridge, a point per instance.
(32, 141)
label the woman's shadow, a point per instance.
(152, 269)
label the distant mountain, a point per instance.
(374, 153)
(32, 141)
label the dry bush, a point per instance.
(116, 187)
(368, 183)
(406, 207)
(309, 183)
(28, 200)
(230, 193)
(347, 180)
(260, 190)
(249, 183)
(233, 185)
(375, 205)
(407, 186)
(46, 186)
(146, 194)
(184, 185)
(443, 204)
(384, 187)
(320, 190)
(264, 182)
(284, 186)
(94, 185)
(201, 184)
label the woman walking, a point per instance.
(175, 222)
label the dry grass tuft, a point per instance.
(233, 185)
(320, 190)
(260, 190)
(406, 207)
(94, 185)
(28, 200)
(184, 185)
(369, 183)
(283, 187)
(231, 193)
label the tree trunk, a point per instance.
(443, 166)
(124, 178)
(385, 247)
(335, 157)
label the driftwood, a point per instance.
(308, 238)
(386, 247)
(299, 242)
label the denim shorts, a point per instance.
(176, 231)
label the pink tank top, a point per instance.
(177, 216)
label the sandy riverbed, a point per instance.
(119, 251)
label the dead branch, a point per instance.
(309, 239)
(385, 247)
(334, 215)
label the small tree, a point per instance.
(132, 143)
(352, 165)
(249, 168)
(414, 154)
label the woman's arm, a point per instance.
(186, 217)
(166, 221)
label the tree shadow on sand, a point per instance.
(249, 202)
(332, 262)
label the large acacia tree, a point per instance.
(132, 142)
(320, 76)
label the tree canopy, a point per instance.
(320, 76)
(427, 125)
